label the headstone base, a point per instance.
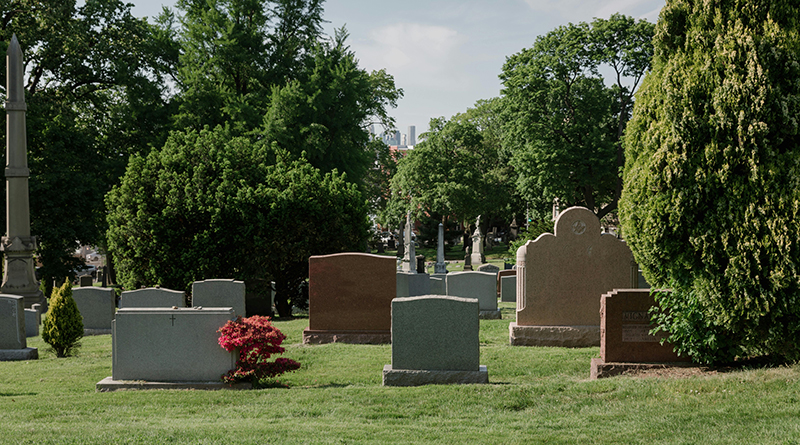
(7, 355)
(352, 337)
(562, 336)
(601, 369)
(416, 377)
(109, 384)
(490, 315)
(88, 332)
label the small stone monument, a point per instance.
(13, 343)
(561, 277)
(97, 307)
(625, 341)
(467, 259)
(478, 285)
(410, 256)
(151, 297)
(478, 256)
(434, 341)
(220, 293)
(440, 266)
(18, 246)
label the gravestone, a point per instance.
(477, 257)
(500, 275)
(435, 341)
(38, 308)
(508, 288)
(421, 264)
(440, 266)
(85, 281)
(467, 259)
(478, 285)
(13, 343)
(625, 340)
(412, 284)
(410, 254)
(152, 297)
(170, 345)
(31, 323)
(220, 293)
(560, 278)
(490, 268)
(437, 284)
(97, 307)
(350, 298)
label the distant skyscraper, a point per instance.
(398, 138)
(412, 135)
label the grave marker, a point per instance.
(152, 297)
(220, 293)
(97, 307)
(13, 343)
(478, 285)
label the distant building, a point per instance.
(412, 135)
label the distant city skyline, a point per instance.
(447, 54)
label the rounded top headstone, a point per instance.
(577, 221)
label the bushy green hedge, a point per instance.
(711, 199)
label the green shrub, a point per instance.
(63, 325)
(711, 200)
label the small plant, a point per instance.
(257, 340)
(63, 325)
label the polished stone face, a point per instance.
(561, 276)
(351, 292)
(625, 329)
(479, 285)
(97, 306)
(435, 333)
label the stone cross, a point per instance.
(410, 257)
(18, 245)
(440, 266)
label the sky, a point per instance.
(447, 54)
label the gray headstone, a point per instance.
(151, 297)
(413, 284)
(96, 305)
(170, 345)
(508, 288)
(219, 293)
(437, 284)
(12, 322)
(86, 281)
(491, 268)
(435, 333)
(31, 323)
(479, 285)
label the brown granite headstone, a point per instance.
(350, 298)
(625, 339)
(560, 278)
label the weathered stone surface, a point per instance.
(418, 377)
(479, 285)
(109, 384)
(351, 337)
(490, 268)
(85, 281)
(562, 336)
(413, 284)
(625, 326)
(152, 297)
(435, 333)
(220, 293)
(350, 292)
(170, 345)
(601, 369)
(561, 276)
(97, 307)
(508, 288)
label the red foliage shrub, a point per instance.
(257, 340)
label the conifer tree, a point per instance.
(712, 177)
(63, 326)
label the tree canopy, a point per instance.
(561, 121)
(710, 205)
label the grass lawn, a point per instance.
(536, 395)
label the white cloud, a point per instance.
(416, 54)
(586, 10)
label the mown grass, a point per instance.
(536, 395)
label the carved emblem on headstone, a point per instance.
(578, 227)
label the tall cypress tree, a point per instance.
(712, 177)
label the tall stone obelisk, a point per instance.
(18, 245)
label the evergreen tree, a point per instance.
(63, 325)
(712, 185)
